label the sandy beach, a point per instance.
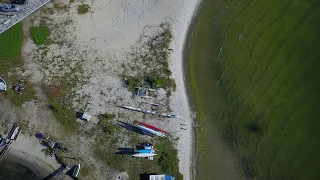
(93, 50)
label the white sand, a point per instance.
(99, 43)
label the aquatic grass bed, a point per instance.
(260, 83)
(39, 34)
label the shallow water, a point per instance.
(255, 65)
(14, 171)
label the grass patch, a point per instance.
(10, 57)
(107, 148)
(39, 34)
(151, 82)
(83, 8)
(10, 47)
(106, 123)
(149, 60)
(59, 96)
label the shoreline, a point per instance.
(189, 93)
(181, 79)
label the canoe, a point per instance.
(144, 155)
(144, 151)
(151, 127)
(76, 170)
(150, 131)
(150, 112)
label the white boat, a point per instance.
(76, 170)
(3, 85)
(150, 131)
(151, 112)
(144, 155)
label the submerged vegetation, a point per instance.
(255, 63)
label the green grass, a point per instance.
(10, 47)
(261, 88)
(165, 162)
(59, 95)
(39, 34)
(83, 8)
(10, 57)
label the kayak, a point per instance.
(151, 127)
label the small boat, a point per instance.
(3, 85)
(150, 112)
(144, 151)
(143, 92)
(150, 131)
(151, 127)
(143, 155)
(14, 132)
(76, 170)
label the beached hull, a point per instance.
(144, 151)
(151, 127)
(151, 112)
(151, 131)
(76, 170)
(144, 155)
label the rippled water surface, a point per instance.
(255, 67)
(14, 171)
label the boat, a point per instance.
(151, 131)
(14, 132)
(150, 112)
(76, 170)
(143, 155)
(151, 127)
(143, 92)
(3, 85)
(144, 151)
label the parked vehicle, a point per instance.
(18, 1)
(9, 8)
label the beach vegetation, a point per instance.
(83, 8)
(39, 34)
(59, 102)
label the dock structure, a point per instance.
(7, 20)
(13, 135)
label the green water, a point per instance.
(254, 73)
(13, 171)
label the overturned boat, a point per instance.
(150, 112)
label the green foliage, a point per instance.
(167, 159)
(83, 8)
(65, 115)
(39, 34)
(132, 82)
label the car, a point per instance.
(18, 1)
(9, 8)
